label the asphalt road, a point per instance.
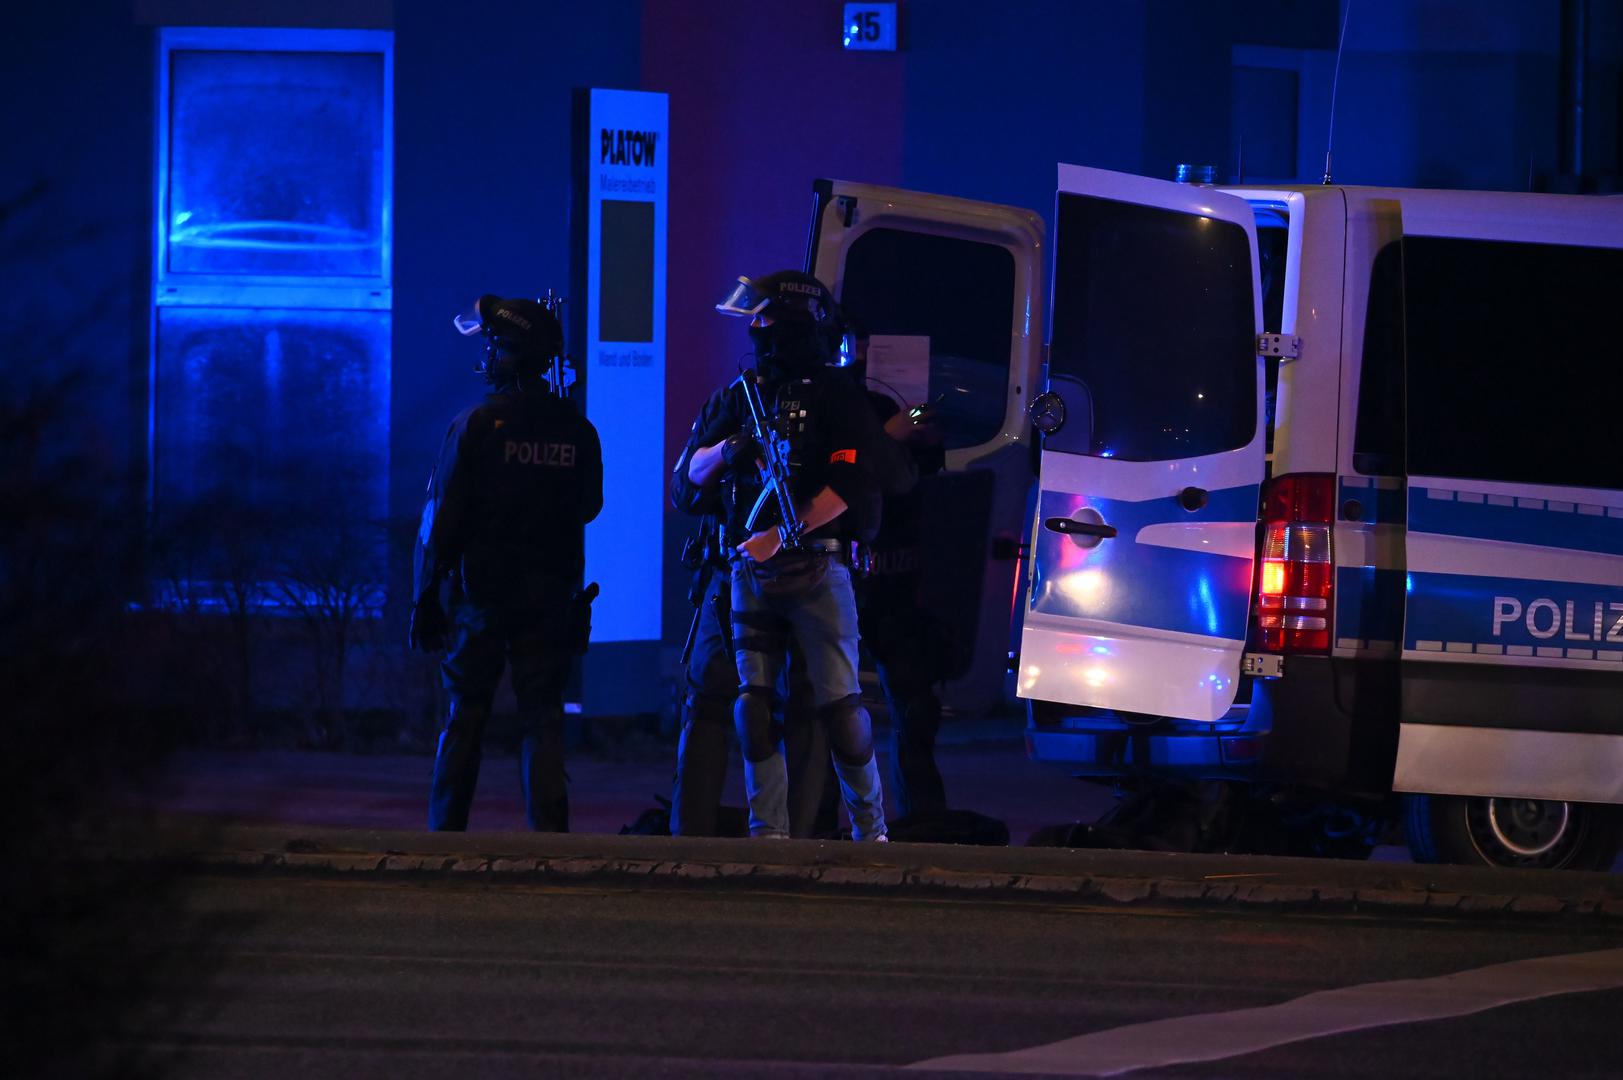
(304, 976)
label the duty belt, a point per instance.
(838, 549)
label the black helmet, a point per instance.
(519, 334)
(787, 295)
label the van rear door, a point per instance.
(1513, 630)
(1145, 532)
(948, 296)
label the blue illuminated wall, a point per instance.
(272, 237)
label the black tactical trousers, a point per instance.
(708, 734)
(484, 640)
(910, 654)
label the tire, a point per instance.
(1531, 834)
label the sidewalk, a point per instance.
(290, 811)
(390, 792)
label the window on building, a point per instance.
(271, 307)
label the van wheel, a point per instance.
(1533, 834)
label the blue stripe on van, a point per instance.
(1369, 603)
(1134, 584)
(1529, 617)
(1539, 522)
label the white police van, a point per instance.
(1330, 498)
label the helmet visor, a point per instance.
(744, 300)
(469, 323)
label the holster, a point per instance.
(580, 618)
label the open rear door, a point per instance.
(948, 293)
(1145, 531)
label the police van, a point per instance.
(1329, 495)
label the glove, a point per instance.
(740, 447)
(428, 624)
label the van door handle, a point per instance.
(1072, 527)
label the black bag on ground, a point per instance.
(950, 827)
(654, 821)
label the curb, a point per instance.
(1103, 878)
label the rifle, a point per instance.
(696, 556)
(774, 467)
(702, 554)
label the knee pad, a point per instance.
(752, 715)
(841, 710)
(850, 731)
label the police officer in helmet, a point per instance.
(503, 535)
(787, 590)
(707, 731)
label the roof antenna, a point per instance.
(1335, 81)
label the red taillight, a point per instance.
(1295, 575)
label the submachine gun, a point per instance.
(703, 553)
(774, 467)
(560, 372)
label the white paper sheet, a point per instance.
(899, 364)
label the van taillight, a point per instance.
(1295, 576)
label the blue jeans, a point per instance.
(708, 733)
(821, 622)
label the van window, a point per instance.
(957, 293)
(1273, 245)
(1515, 362)
(1378, 433)
(1153, 323)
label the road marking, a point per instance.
(1214, 1036)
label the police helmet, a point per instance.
(787, 296)
(517, 332)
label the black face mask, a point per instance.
(784, 351)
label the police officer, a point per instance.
(519, 476)
(909, 645)
(712, 672)
(788, 590)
